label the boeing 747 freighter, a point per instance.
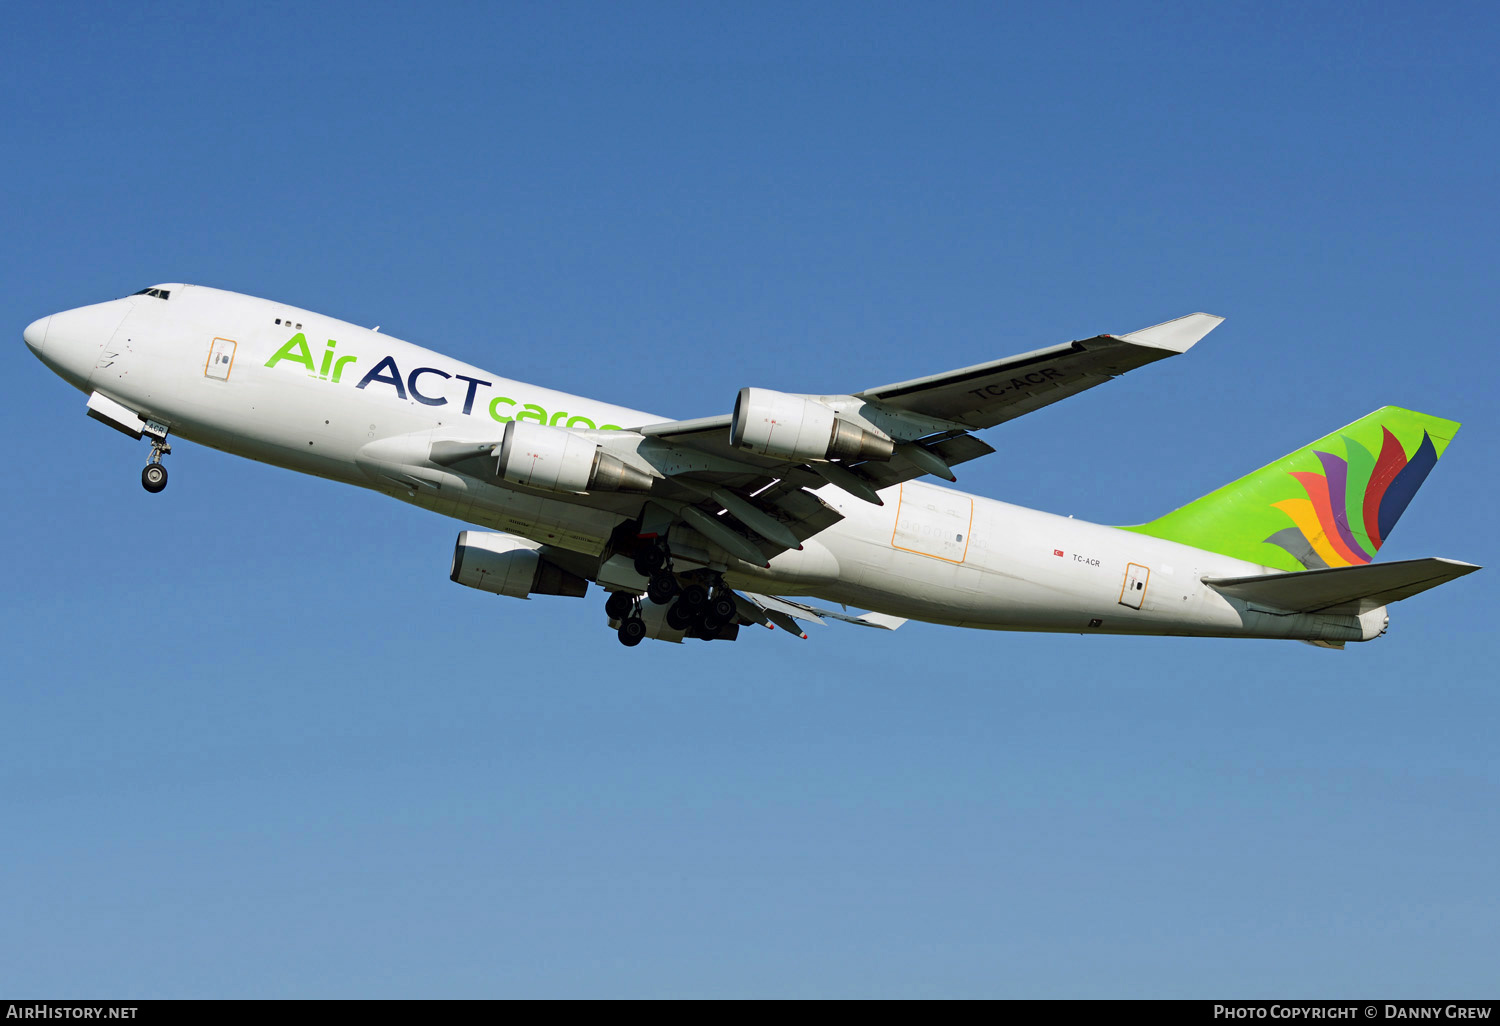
(696, 528)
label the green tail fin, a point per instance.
(1330, 504)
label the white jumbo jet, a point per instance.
(698, 527)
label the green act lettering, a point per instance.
(495, 405)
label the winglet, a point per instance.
(1178, 335)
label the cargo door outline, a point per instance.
(927, 519)
(220, 358)
(1133, 590)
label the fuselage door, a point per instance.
(1133, 592)
(933, 522)
(220, 359)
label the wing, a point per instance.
(987, 394)
(929, 418)
(741, 486)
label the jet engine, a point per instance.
(559, 460)
(793, 427)
(506, 565)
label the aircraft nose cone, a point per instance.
(36, 333)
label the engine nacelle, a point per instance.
(560, 460)
(792, 427)
(506, 565)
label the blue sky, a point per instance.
(257, 744)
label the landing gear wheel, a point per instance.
(648, 561)
(663, 587)
(618, 605)
(632, 631)
(679, 618)
(723, 608)
(694, 596)
(154, 477)
(709, 624)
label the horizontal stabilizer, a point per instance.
(1345, 589)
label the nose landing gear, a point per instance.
(154, 476)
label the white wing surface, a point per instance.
(743, 483)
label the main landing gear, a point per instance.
(703, 608)
(654, 564)
(707, 613)
(663, 587)
(154, 477)
(627, 609)
(632, 631)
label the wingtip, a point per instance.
(1179, 334)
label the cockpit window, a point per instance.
(158, 293)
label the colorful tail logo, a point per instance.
(1354, 503)
(1329, 504)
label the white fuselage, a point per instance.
(225, 370)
